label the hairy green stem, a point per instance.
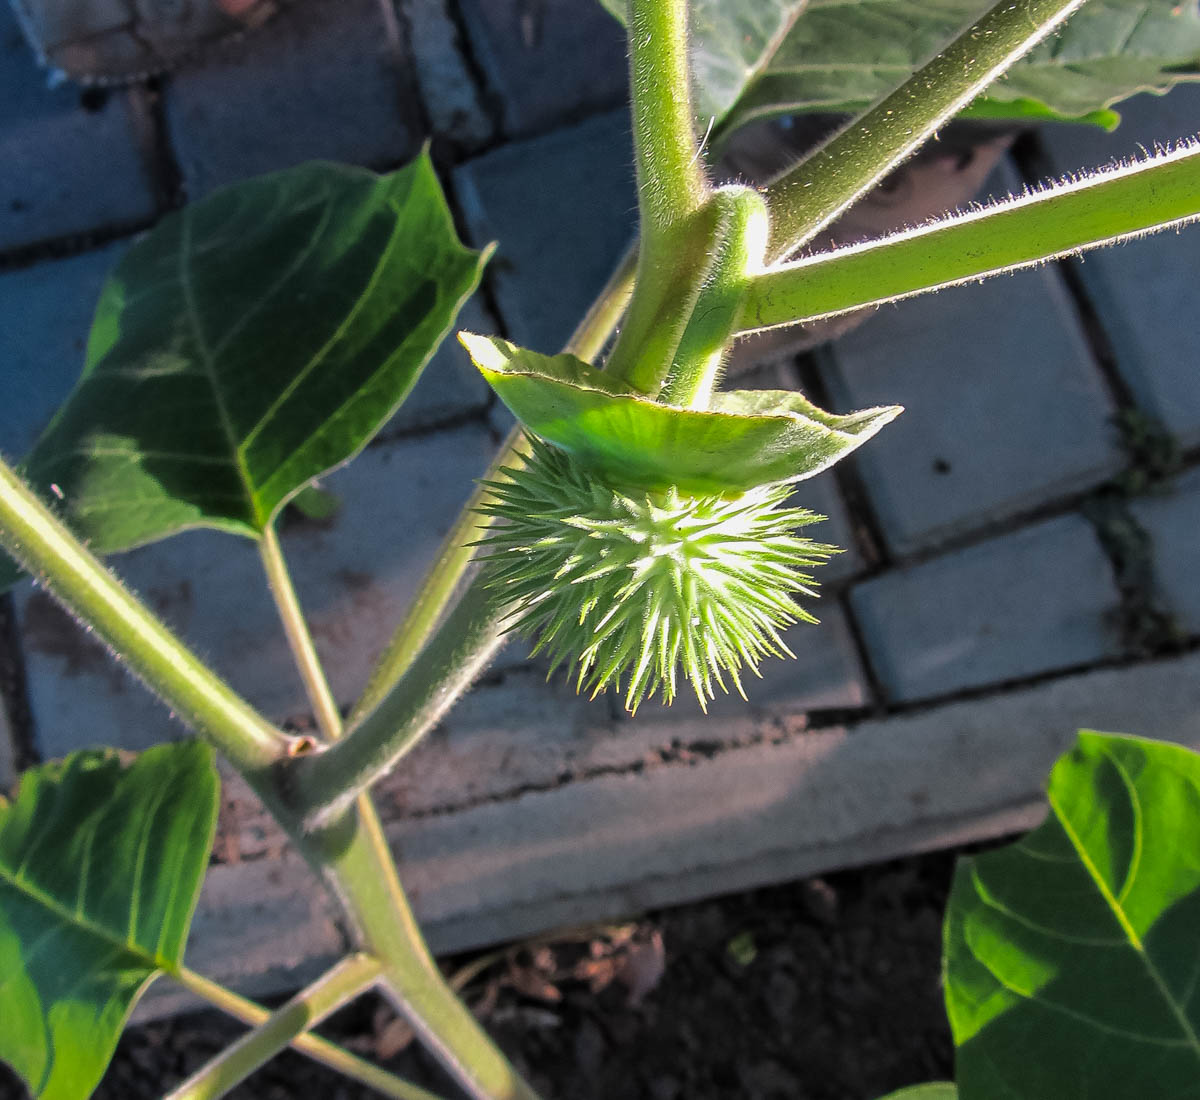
(1111, 205)
(320, 697)
(809, 196)
(671, 183)
(678, 224)
(78, 580)
(323, 784)
(359, 866)
(705, 340)
(457, 551)
(669, 282)
(305, 1010)
(320, 1050)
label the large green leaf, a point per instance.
(745, 438)
(100, 868)
(1073, 956)
(841, 55)
(248, 344)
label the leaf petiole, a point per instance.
(1109, 206)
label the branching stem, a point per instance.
(320, 1050)
(812, 194)
(457, 551)
(282, 1027)
(81, 583)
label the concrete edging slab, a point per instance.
(794, 803)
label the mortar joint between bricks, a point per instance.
(1146, 625)
(488, 97)
(14, 688)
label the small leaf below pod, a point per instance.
(747, 438)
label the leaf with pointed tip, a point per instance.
(745, 438)
(1073, 956)
(250, 343)
(839, 56)
(100, 869)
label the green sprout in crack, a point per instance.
(633, 582)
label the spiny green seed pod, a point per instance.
(642, 584)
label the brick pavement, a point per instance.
(973, 623)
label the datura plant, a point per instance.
(637, 523)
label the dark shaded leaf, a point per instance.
(1073, 956)
(755, 59)
(842, 55)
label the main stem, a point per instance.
(677, 227)
(349, 850)
(671, 184)
(358, 865)
(808, 197)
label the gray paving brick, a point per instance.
(47, 311)
(1022, 604)
(1173, 523)
(447, 88)
(563, 208)
(1146, 292)
(355, 576)
(66, 170)
(1004, 408)
(547, 63)
(320, 82)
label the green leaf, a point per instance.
(841, 55)
(1073, 956)
(250, 343)
(100, 869)
(934, 1090)
(746, 438)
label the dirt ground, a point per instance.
(824, 989)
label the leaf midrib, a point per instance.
(1118, 910)
(48, 901)
(193, 317)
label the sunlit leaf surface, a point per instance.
(248, 344)
(100, 868)
(746, 438)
